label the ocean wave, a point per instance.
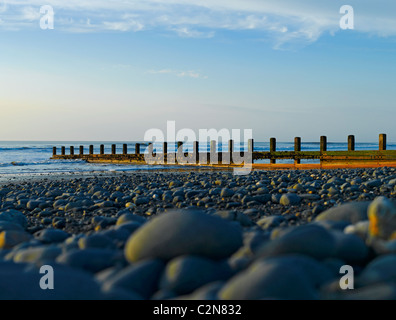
(45, 162)
(35, 149)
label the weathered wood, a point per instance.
(351, 143)
(124, 148)
(165, 151)
(63, 151)
(165, 148)
(179, 144)
(382, 142)
(214, 159)
(137, 148)
(251, 145)
(54, 151)
(272, 149)
(180, 157)
(102, 149)
(231, 146)
(71, 150)
(297, 148)
(196, 151)
(323, 143)
(113, 149)
(91, 149)
(81, 150)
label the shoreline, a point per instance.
(55, 176)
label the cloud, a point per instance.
(282, 21)
(180, 74)
(29, 14)
(185, 32)
(126, 25)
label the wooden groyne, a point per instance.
(350, 158)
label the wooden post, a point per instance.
(297, 148)
(179, 144)
(91, 149)
(81, 150)
(382, 142)
(113, 149)
(231, 146)
(54, 151)
(165, 151)
(102, 149)
(179, 152)
(250, 145)
(351, 143)
(63, 151)
(272, 148)
(149, 157)
(230, 149)
(323, 143)
(71, 150)
(196, 151)
(125, 149)
(213, 146)
(214, 159)
(137, 148)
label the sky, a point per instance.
(110, 70)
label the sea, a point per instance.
(34, 157)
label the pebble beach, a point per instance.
(200, 235)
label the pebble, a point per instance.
(6, 225)
(96, 241)
(185, 274)
(382, 269)
(382, 217)
(262, 198)
(43, 254)
(91, 260)
(141, 200)
(350, 212)
(176, 233)
(270, 222)
(226, 192)
(235, 216)
(361, 229)
(285, 278)
(11, 238)
(311, 240)
(373, 183)
(51, 235)
(350, 248)
(141, 278)
(14, 216)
